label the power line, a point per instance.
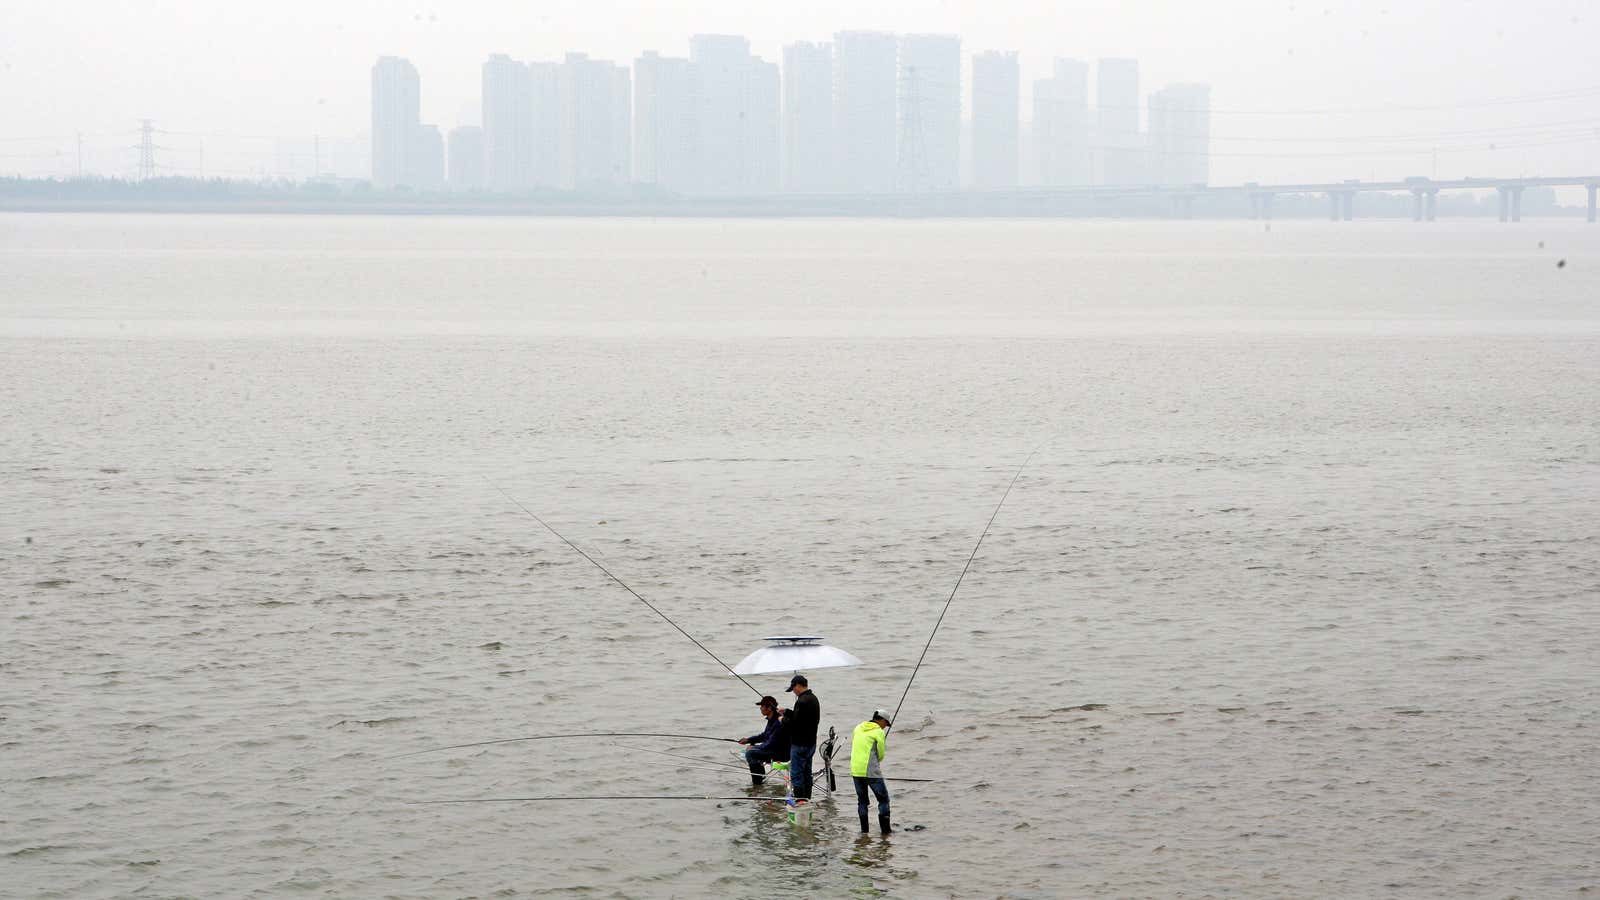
(234, 137)
(65, 137)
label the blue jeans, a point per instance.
(758, 760)
(879, 789)
(800, 770)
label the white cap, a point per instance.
(883, 714)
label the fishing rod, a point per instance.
(717, 767)
(713, 766)
(953, 590)
(608, 797)
(625, 587)
(553, 737)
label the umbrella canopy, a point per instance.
(793, 654)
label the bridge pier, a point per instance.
(1333, 206)
(1183, 206)
(1348, 202)
(1592, 189)
(1424, 204)
(1261, 205)
(1511, 203)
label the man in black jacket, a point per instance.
(803, 736)
(770, 745)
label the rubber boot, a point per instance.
(864, 828)
(757, 780)
(883, 823)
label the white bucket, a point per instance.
(800, 815)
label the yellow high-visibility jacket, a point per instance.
(868, 745)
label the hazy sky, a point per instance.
(259, 79)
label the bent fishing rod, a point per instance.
(624, 585)
(953, 590)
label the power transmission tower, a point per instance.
(912, 161)
(147, 150)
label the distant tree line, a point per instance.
(342, 190)
(331, 195)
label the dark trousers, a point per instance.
(758, 760)
(879, 789)
(800, 770)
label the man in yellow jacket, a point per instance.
(867, 748)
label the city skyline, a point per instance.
(1297, 93)
(869, 112)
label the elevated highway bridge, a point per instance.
(1341, 194)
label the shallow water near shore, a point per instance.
(1296, 597)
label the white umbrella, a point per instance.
(793, 654)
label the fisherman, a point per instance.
(771, 745)
(868, 745)
(802, 736)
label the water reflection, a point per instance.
(870, 851)
(830, 854)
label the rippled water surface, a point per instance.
(1297, 596)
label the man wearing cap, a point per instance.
(771, 745)
(867, 748)
(802, 736)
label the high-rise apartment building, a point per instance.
(764, 91)
(738, 116)
(996, 115)
(507, 124)
(864, 109)
(1061, 132)
(808, 149)
(929, 105)
(621, 125)
(428, 159)
(545, 90)
(1118, 137)
(595, 124)
(665, 123)
(396, 114)
(1180, 134)
(465, 159)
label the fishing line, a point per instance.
(723, 765)
(552, 737)
(714, 767)
(624, 586)
(953, 590)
